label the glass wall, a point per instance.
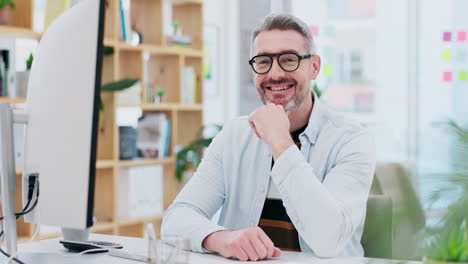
(398, 67)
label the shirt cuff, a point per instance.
(289, 160)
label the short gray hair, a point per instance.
(286, 22)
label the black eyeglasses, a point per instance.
(288, 61)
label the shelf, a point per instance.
(162, 107)
(20, 32)
(186, 2)
(190, 107)
(103, 226)
(185, 51)
(23, 238)
(166, 107)
(145, 162)
(5, 99)
(50, 236)
(140, 220)
(105, 164)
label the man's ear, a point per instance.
(316, 64)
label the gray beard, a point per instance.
(292, 105)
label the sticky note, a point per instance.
(329, 31)
(447, 76)
(463, 76)
(363, 7)
(328, 69)
(461, 36)
(447, 55)
(314, 30)
(447, 36)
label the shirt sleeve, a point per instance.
(326, 214)
(190, 213)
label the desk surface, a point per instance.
(52, 251)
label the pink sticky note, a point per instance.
(447, 76)
(461, 36)
(447, 36)
(314, 30)
(363, 7)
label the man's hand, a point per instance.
(245, 244)
(271, 124)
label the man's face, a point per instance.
(280, 87)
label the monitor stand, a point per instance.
(8, 177)
(71, 234)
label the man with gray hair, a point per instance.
(291, 176)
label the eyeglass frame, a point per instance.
(277, 55)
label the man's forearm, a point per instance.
(186, 222)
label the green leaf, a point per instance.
(29, 61)
(316, 90)
(119, 85)
(108, 50)
(449, 242)
(10, 3)
(191, 155)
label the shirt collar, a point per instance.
(315, 120)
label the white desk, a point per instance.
(53, 252)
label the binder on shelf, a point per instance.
(125, 21)
(167, 139)
(140, 191)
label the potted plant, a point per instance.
(6, 7)
(22, 78)
(448, 243)
(189, 157)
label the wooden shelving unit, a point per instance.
(166, 64)
(12, 100)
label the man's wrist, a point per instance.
(212, 242)
(279, 147)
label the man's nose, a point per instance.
(276, 72)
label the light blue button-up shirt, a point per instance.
(324, 185)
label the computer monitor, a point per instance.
(62, 113)
(63, 107)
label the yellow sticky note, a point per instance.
(328, 69)
(463, 76)
(447, 55)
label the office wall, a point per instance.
(222, 16)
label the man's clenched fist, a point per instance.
(245, 244)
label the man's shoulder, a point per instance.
(342, 123)
(237, 127)
(239, 123)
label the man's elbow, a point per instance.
(331, 244)
(167, 222)
(326, 251)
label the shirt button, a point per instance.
(262, 189)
